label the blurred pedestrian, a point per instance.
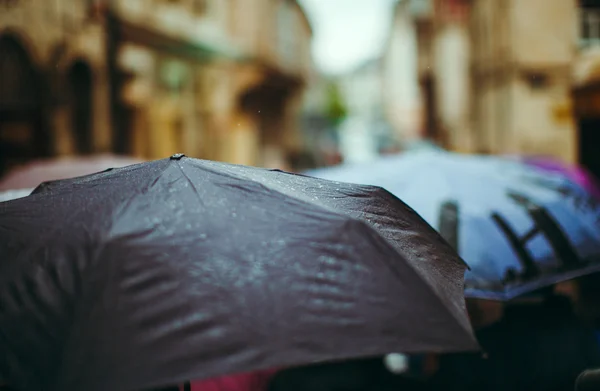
(539, 344)
(354, 375)
(587, 297)
(252, 381)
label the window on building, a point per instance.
(8, 3)
(90, 7)
(590, 26)
(200, 7)
(537, 81)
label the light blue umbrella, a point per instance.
(518, 228)
(14, 194)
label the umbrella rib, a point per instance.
(193, 186)
(285, 195)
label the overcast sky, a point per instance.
(347, 32)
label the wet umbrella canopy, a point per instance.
(180, 269)
(520, 229)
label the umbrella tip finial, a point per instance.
(177, 156)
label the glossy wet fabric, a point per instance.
(518, 228)
(180, 269)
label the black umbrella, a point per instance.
(180, 269)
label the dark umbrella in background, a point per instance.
(181, 269)
(34, 173)
(518, 228)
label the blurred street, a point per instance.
(259, 82)
(444, 233)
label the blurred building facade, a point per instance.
(402, 101)
(495, 76)
(586, 88)
(426, 72)
(522, 57)
(214, 79)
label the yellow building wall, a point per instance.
(199, 120)
(521, 76)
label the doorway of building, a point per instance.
(266, 105)
(80, 81)
(22, 126)
(589, 144)
(431, 131)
